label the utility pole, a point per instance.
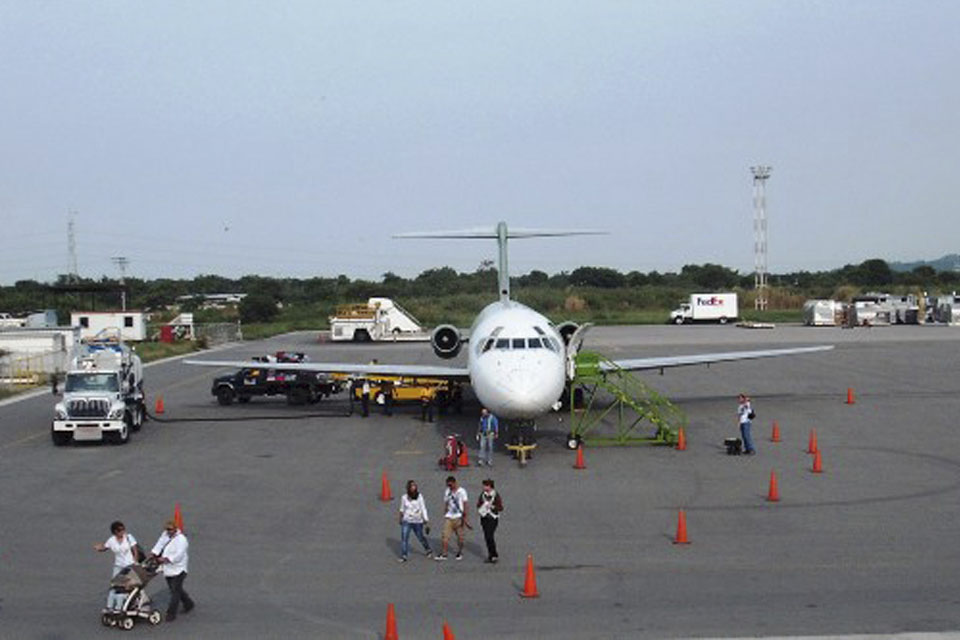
(73, 275)
(122, 262)
(760, 175)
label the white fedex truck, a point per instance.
(706, 307)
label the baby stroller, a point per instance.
(452, 448)
(132, 582)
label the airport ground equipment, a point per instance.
(602, 393)
(379, 320)
(707, 307)
(102, 394)
(299, 387)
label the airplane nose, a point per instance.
(529, 395)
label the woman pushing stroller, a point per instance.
(126, 552)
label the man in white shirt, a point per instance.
(745, 419)
(171, 552)
(455, 517)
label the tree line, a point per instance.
(584, 287)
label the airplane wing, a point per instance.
(345, 368)
(639, 364)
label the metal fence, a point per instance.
(31, 369)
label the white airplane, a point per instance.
(518, 362)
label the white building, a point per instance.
(132, 324)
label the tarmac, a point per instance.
(289, 538)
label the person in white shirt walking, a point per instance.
(171, 551)
(455, 517)
(413, 517)
(125, 553)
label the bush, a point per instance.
(258, 307)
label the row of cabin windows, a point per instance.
(521, 343)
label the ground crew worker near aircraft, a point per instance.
(745, 416)
(487, 433)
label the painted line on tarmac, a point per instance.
(110, 474)
(944, 635)
(23, 440)
(408, 453)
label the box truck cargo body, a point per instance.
(707, 307)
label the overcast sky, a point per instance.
(293, 138)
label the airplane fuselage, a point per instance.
(516, 361)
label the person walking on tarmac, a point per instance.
(126, 552)
(413, 517)
(171, 552)
(455, 517)
(365, 398)
(745, 416)
(489, 506)
(487, 433)
(386, 392)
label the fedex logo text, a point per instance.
(713, 301)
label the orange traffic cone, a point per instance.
(812, 446)
(774, 494)
(681, 529)
(177, 516)
(385, 495)
(775, 436)
(391, 633)
(850, 399)
(817, 463)
(448, 632)
(463, 461)
(579, 463)
(158, 407)
(530, 582)
(681, 441)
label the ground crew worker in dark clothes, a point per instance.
(426, 407)
(489, 506)
(365, 398)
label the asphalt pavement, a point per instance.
(289, 538)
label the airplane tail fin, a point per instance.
(501, 234)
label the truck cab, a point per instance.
(102, 396)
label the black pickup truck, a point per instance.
(299, 387)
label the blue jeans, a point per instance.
(405, 528)
(486, 449)
(747, 438)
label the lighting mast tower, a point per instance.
(72, 271)
(760, 175)
(122, 262)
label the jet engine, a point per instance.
(566, 330)
(446, 341)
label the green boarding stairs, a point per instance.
(598, 379)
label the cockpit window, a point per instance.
(552, 344)
(503, 343)
(533, 343)
(488, 345)
(540, 331)
(519, 343)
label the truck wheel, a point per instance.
(723, 319)
(678, 320)
(118, 437)
(361, 335)
(225, 395)
(61, 438)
